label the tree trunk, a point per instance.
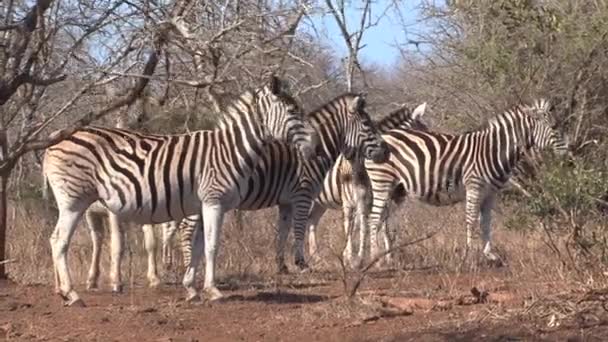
(3, 223)
(3, 200)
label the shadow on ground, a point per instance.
(279, 297)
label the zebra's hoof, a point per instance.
(194, 299)
(92, 287)
(305, 269)
(77, 303)
(72, 299)
(154, 283)
(213, 294)
(302, 265)
(355, 264)
(283, 269)
(117, 289)
(495, 263)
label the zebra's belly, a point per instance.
(162, 210)
(444, 196)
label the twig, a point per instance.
(351, 293)
(8, 261)
(191, 83)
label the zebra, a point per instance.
(347, 186)
(443, 169)
(149, 178)
(97, 213)
(283, 178)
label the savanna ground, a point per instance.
(429, 294)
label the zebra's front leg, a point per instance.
(376, 218)
(196, 246)
(285, 220)
(485, 220)
(300, 218)
(150, 246)
(117, 252)
(316, 213)
(95, 225)
(361, 218)
(213, 218)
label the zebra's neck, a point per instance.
(330, 124)
(505, 137)
(242, 133)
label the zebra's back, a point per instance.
(135, 176)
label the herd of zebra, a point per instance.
(265, 152)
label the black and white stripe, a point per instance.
(347, 185)
(157, 178)
(442, 169)
(283, 178)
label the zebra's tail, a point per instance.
(46, 186)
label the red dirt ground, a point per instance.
(422, 306)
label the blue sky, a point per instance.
(380, 40)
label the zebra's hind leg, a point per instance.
(197, 247)
(60, 241)
(285, 220)
(348, 253)
(388, 243)
(168, 231)
(380, 201)
(376, 218)
(485, 220)
(95, 225)
(186, 228)
(213, 217)
(117, 252)
(150, 246)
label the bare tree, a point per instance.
(41, 48)
(353, 36)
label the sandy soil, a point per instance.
(392, 306)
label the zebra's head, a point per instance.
(545, 133)
(283, 119)
(361, 133)
(403, 117)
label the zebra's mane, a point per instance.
(394, 119)
(403, 117)
(333, 101)
(539, 108)
(237, 107)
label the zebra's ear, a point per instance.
(544, 105)
(275, 84)
(357, 104)
(419, 111)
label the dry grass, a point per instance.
(247, 256)
(429, 286)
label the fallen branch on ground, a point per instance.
(352, 290)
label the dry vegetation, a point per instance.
(169, 66)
